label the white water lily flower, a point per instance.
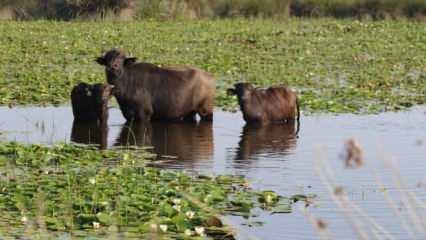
(92, 180)
(153, 226)
(96, 225)
(177, 207)
(188, 232)
(163, 227)
(199, 231)
(176, 201)
(190, 214)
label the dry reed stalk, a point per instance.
(409, 200)
(327, 177)
(319, 225)
(392, 204)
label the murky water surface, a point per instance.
(270, 157)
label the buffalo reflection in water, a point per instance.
(191, 141)
(90, 133)
(272, 139)
(182, 140)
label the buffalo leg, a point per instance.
(144, 115)
(190, 117)
(207, 118)
(129, 115)
(206, 110)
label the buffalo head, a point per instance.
(115, 62)
(241, 90)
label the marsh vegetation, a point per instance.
(335, 65)
(67, 190)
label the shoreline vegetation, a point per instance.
(199, 9)
(337, 66)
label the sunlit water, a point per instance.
(270, 158)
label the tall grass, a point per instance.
(196, 9)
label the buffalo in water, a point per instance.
(90, 102)
(90, 110)
(147, 92)
(270, 105)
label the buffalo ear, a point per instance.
(248, 86)
(101, 61)
(231, 91)
(129, 61)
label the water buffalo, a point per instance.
(90, 102)
(262, 106)
(148, 92)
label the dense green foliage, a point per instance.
(55, 191)
(336, 65)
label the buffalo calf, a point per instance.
(90, 102)
(274, 104)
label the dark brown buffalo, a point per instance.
(145, 91)
(266, 139)
(90, 102)
(274, 104)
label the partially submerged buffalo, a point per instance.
(90, 102)
(262, 106)
(145, 91)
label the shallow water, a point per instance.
(270, 157)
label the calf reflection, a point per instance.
(90, 133)
(183, 140)
(277, 139)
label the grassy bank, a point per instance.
(68, 191)
(336, 65)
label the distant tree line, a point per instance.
(196, 9)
